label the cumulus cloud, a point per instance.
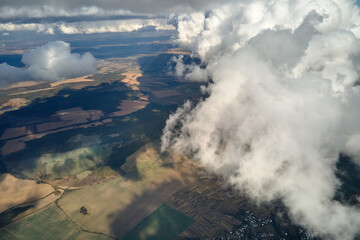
(8, 12)
(89, 27)
(192, 72)
(50, 62)
(65, 7)
(80, 18)
(283, 103)
(113, 26)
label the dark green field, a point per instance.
(164, 223)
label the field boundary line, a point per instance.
(78, 225)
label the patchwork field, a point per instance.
(209, 204)
(116, 207)
(14, 132)
(47, 224)
(85, 137)
(14, 191)
(28, 208)
(39, 204)
(164, 223)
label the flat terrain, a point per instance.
(72, 162)
(164, 223)
(166, 93)
(131, 79)
(35, 206)
(86, 78)
(14, 191)
(128, 107)
(116, 207)
(88, 139)
(47, 224)
(92, 140)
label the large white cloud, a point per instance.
(45, 10)
(88, 27)
(40, 8)
(283, 103)
(50, 62)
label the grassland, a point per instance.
(117, 206)
(76, 161)
(56, 165)
(7, 216)
(164, 223)
(47, 224)
(145, 158)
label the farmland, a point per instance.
(117, 206)
(15, 191)
(49, 224)
(164, 223)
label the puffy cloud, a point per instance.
(113, 26)
(43, 11)
(89, 27)
(37, 27)
(189, 26)
(50, 62)
(191, 72)
(283, 104)
(65, 7)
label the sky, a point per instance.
(282, 80)
(139, 6)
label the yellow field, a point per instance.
(130, 79)
(85, 78)
(14, 191)
(116, 207)
(39, 204)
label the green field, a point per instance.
(49, 224)
(7, 216)
(164, 223)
